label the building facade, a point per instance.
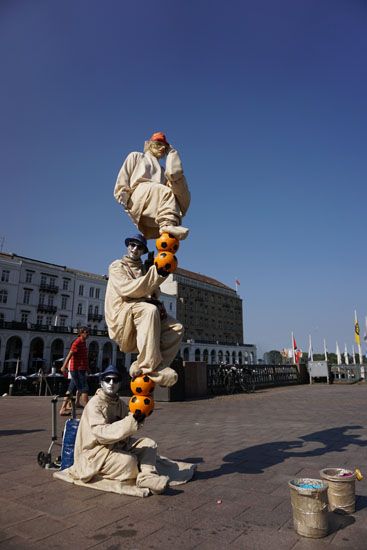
(43, 304)
(211, 313)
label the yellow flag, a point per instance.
(356, 333)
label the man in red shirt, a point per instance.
(78, 357)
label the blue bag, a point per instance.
(68, 443)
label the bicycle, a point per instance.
(238, 378)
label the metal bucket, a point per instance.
(310, 507)
(341, 491)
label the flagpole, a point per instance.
(310, 351)
(358, 338)
(293, 354)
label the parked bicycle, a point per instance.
(239, 378)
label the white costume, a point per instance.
(152, 197)
(136, 325)
(106, 457)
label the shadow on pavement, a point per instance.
(18, 432)
(256, 459)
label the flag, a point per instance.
(338, 355)
(310, 350)
(357, 336)
(237, 282)
(346, 356)
(297, 353)
(325, 350)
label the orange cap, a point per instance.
(159, 136)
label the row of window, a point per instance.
(94, 292)
(50, 280)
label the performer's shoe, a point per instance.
(155, 483)
(176, 230)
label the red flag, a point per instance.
(294, 343)
(237, 282)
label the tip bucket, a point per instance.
(310, 507)
(341, 491)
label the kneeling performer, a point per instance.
(104, 446)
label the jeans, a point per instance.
(80, 380)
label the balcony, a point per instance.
(49, 288)
(15, 325)
(96, 317)
(43, 308)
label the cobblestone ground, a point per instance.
(247, 448)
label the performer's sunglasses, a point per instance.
(138, 246)
(112, 379)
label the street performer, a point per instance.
(154, 198)
(137, 320)
(107, 456)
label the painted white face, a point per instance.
(157, 148)
(135, 250)
(110, 385)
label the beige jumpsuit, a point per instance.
(104, 446)
(136, 325)
(152, 197)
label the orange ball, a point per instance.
(142, 385)
(166, 262)
(167, 243)
(143, 404)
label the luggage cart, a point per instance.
(45, 459)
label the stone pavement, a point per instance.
(247, 447)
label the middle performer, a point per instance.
(137, 320)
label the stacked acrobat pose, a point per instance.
(156, 200)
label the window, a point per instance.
(63, 320)
(64, 302)
(50, 300)
(28, 276)
(81, 290)
(52, 281)
(24, 316)
(97, 292)
(39, 320)
(96, 310)
(5, 275)
(65, 284)
(2, 317)
(27, 295)
(80, 309)
(42, 299)
(43, 280)
(48, 320)
(3, 296)
(90, 309)
(91, 292)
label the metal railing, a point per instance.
(258, 376)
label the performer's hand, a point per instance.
(139, 416)
(162, 272)
(149, 261)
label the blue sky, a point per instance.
(266, 102)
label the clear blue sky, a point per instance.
(266, 102)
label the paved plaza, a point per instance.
(246, 447)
